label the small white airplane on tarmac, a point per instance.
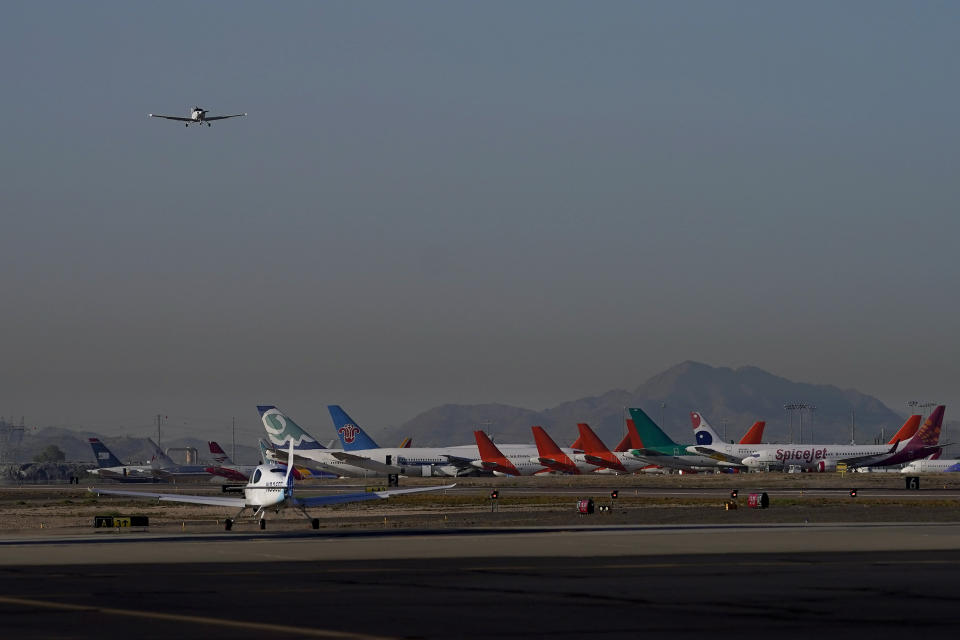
(197, 116)
(270, 487)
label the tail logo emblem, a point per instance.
(348, 432)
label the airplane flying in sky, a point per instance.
(270, 489)
(825, 457)
(197, 116)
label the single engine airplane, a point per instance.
(270, 488)
(197, 116)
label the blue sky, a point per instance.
(436, 202)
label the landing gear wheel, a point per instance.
(263, 524)
(315, 523)
(187, 124)
(208, 124)
(227, 524)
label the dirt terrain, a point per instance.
(674, 499)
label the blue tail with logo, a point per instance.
(352, 437)
(104, 456)
(281, 429)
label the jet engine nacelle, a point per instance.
(825, 465)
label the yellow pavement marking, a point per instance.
(175, 617)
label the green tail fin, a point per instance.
(650, 433)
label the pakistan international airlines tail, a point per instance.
(352, 437)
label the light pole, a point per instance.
(790, 407)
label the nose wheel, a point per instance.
(263, 524)
(227, 524)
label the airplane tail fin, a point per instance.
(352, 437)
(652, 435)
(908, 429)
(405, 443)
(103, 455)
(160, 459)
(264, 448)
(218, 454)
(929, 434)
(591, 441)
(595, 451)
(492, 458)
(550, 454)
(281, 429)
(632, 440)
(702, 431)
(755, 434)
(545, 444)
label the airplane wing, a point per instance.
(716, 455)
(859, 461)
(319, 501)
(157, 115)
(460, 462)
(236, 115)
(365, 463)
(219, 501)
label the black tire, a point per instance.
(227, 524)
(263, 524)
(315, 523)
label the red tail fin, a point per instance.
(929, 434)
(215, 448)
(492, 459)
(550, 454)
(755, 434)
(907, 430)
(595, 451)
(635, 441)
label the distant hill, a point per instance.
(734, 397)
(731, 398)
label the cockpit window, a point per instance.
(278, 470)
(256, 476)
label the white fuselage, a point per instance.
(268, 487)
(932, 466)
(816, 456)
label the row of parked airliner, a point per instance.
(645, 446)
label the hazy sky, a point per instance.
(451, 202)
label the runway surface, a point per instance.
(632, 581)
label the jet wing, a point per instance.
(707, 452)
(157, 115)
(236, 115)
(319, 501)
(365, 463)
(860, 461)
(219, 501)
(460, 462)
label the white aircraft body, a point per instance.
(825, 457)
(375, 461)
(197, 116)
(270, 489)
(932, 466)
